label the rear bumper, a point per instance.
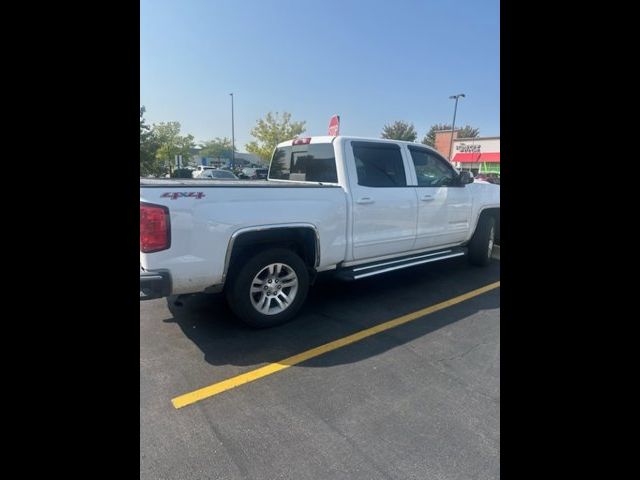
(154, 284)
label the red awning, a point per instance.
(492, 157)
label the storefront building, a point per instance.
(480, 155)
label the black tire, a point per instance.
(479, 251)
(240, 281)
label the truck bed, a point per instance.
(202, 226)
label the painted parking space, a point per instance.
(251, 376)
(419, 400)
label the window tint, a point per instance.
(431, 170)
(222, 174)
(379, 164)
(306, 163)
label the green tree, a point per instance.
(272, 130)
(148, 148)
(468, 132)
(171, 143)
(217, 148)
(464, 132)
(400, 130)
(430, 137)
(144, 128)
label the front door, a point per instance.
(444, 205)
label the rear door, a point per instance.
(384, 206)
(444, 205)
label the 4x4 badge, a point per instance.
(176, 195)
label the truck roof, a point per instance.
(330, 139)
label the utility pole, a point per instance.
(453, 126)
(233, 140)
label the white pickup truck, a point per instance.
(355, 206)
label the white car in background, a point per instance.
(200, 169)
(217, 174)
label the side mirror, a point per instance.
(465, 177)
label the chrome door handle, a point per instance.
(426, 198)
(364, 200)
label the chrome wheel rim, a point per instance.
(491, 238)
(274, 289)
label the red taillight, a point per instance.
(302, 141)
(154, 228)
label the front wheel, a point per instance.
(269, 289)
(481, 244)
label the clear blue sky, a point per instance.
(371, 62)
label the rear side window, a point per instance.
(305, 163)
(379, 164)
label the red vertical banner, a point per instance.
(334, 126)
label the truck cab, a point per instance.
(404, 196)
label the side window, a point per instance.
(316, 163)
(431, 170)
(379, 164)
(306, 163)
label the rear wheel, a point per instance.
(269, 289)
(481, 244)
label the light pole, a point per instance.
(453, 126)
(233, 141)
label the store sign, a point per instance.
(465, 148)
(476, 145)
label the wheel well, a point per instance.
(301, 240)
(495, 213)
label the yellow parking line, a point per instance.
(233, 382)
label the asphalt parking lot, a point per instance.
(417, 401)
